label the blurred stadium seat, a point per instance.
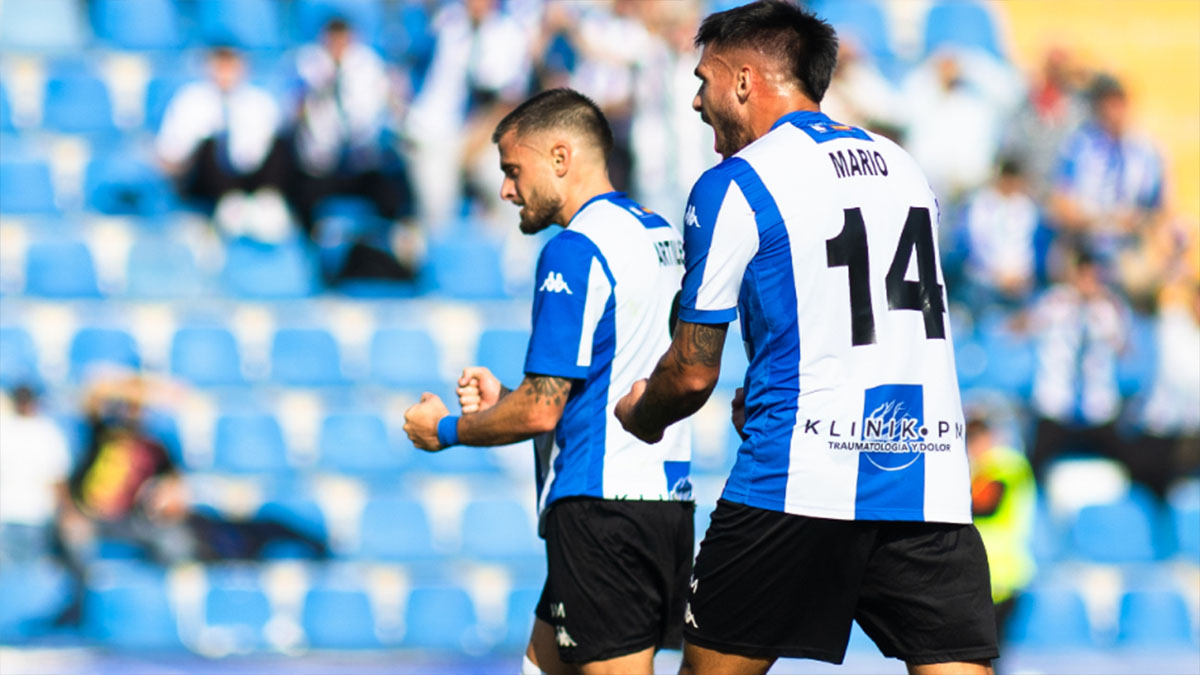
(121, 185)
(335, 618)
(33, 593)
(519, 616)
(498, 530)
(356, 443)
(396, 530)
(1114, 533)
(60, 269)
(961, 23)
(865, 23)
(92, 346)
(44, 25)
(1185, 511)
(405, 358)
(78, 104)
(440, 618)
(303, 515)
(465, 269)
(159, 92)
(26, 187)
(6, 120)
(18, 357)
(159, 268)
(365, 16)
(206, 356)
(137, 24)
(1154, 619)
(503, 352)
(241, 613)
(306, 357)
(248, 443)
(132, 611)
(261, 271)
(249, 24)
(1051, 618)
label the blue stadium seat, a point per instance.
(1051, 619)
(92, 346)
(60, 269)
(1187, 529)
(339, 619)
(356, 443)
(866, 22)
(440, 618)
(519, 616)
(1011, 360)
(961, 23)
(206, 356)
(249, 443)
(159, 92)
(465, 269)
(50, 25)
(1154, 619)
(304, 515)
(395, 529)
(364, 15)
(1119, 532)
(306, 357)
(503, 352)
(162, 269)
(26, 187)
(1137, 363)
(249, 24)
(131, 613)
(240, 612)
(121, 185)
(405, 358)
(77, 104)
(264, 272)
(456, 461)
(18, 358)
(6, 120)
(137, 24)
(498, 530)
(32, 592)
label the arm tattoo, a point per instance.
(546, 389)
(701, 345)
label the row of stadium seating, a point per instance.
(396, 27)
(229, 609)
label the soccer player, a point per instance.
(615, 512)
(850, 496)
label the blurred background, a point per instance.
(239, 237)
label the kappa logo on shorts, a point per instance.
(558, 610)
(688, 617)
(564, 638)
(554, 284)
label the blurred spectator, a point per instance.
(340, 146)
(1054, 108)
(480, 67)
(220, 142)
(1170, 420)
(34, 463)
(859, 94)
(955, 102)
(1109, 182)
(1080, 328)
(672, 147)
(1003, 503)
(1001, 219)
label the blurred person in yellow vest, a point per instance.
(1003, 501)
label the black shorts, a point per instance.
(770, 584)
(617, 575)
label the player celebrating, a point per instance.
(616, 513)
(850, 496)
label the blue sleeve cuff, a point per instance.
(447, 430)
(707, 316)
(535, 365)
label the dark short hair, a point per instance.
(337, 24)
(558, 109)
(1103, 87)
(804, 42)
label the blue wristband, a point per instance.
(448, 430)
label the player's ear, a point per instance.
(560, 158)
(745, 83)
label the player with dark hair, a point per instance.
(850, 497)
(615, 512)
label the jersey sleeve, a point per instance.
(720, 236)
(573, 290)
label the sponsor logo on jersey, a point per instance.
(689, 217)
(554, 284)
(894, 416)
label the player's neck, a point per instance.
(764, 116)
(586, 189)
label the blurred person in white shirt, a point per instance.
(34, 466)
(1001, 219)
(220, 142)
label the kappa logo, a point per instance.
(688, 617)
(558, 610)
(554, 284)
(564, 638)
(689, 217)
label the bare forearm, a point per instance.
(534, 408)
(684, 377)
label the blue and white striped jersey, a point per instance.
(823, 238)
(601, 316)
